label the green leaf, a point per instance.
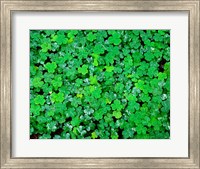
(39, 100)
(109, 68)
(37, 82)
(51, 67)
(145, 97)
(97, 93)
(162, 76)
(117, 114)
(109, 58)
(127, 133)
(91, 37)
(45, 136)
(149, 56)
(83, 70)
(133, 105)
(93, 79)
(94, 135)
(98, 49)
(60, 38)
(59, 97)
(57, 82)
(35, 109)
(115, 39)
(45, 47)
(75, 121)
(117, 105)
(141, 129)
(52, 126)
(119, 87)
(50, 113)
(140, 84)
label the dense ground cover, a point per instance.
(100, 84)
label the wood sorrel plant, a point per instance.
(100, 84)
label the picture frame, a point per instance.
(8, 7)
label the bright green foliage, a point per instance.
(45, 47)
(83, 70)
(59, 97)
(98, 49)
(39, 100)
(35, 109)
(96, 93)
(57, 82)
(117, 105)
(117, 114)
(50, 113)
(119, 87)
(93, 79)
(100, 84)
(51, 67)
(75, 121)
(94, 135)
(37, 82)
(60, 38)
(109, 68)
(115, 38)
(91, 37)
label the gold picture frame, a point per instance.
(8, 7)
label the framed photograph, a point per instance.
(100, 84)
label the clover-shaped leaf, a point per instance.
(91, 37)
(109, 68)
(145, 97)
(114, 50)
(131, 97)
(97, 93)
(61, 39)
(119, 87)
(39, 100)
(57, 82)
(94, 135)
(98, 49)
(140, 84)
(75, 121)
(52, 126)
(79, 82)
(158, 37)
(132, 106)
(45, 46)
(127, 133)
(72, 33)
(93, 79)
(117, 105)
(83, 70)
(149, 56)
(59, 97)
(37, 82)
(117, 114)
(162, 76)
(115, 39)
(98, 115)
(156, 124)
(141, 129)
(152, 71)
(51, 67)
(50, 113)
(114, 135)
(109, 58)
(35, 109)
